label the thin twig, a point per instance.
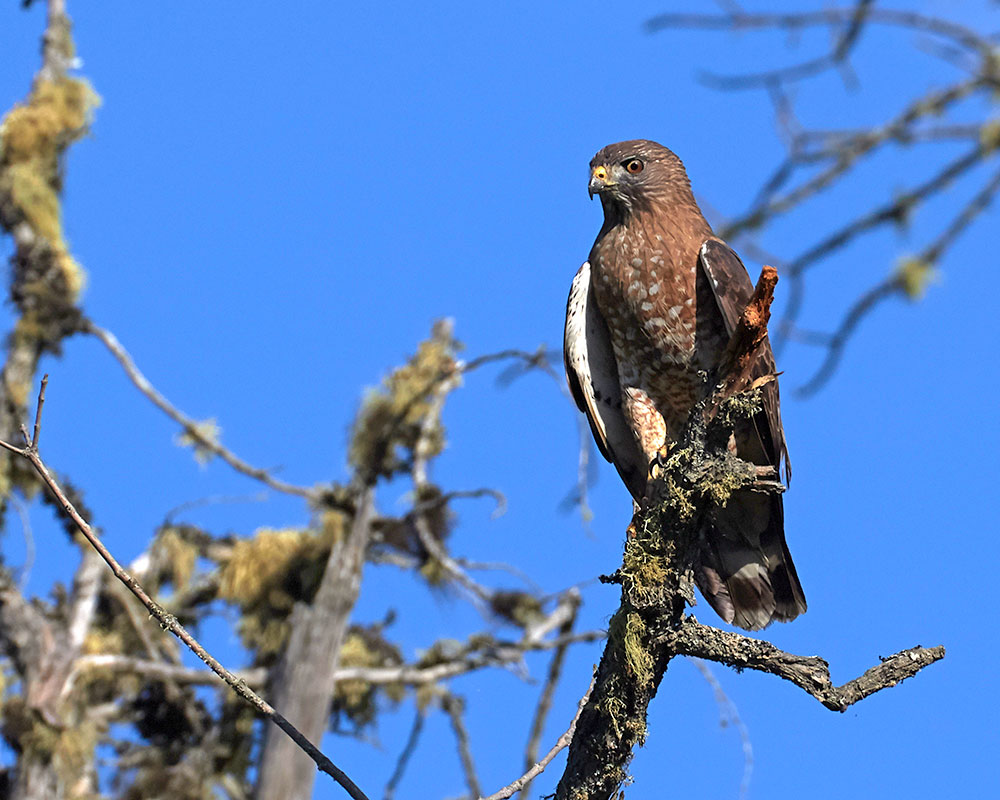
(561, 743)
(849, 155)
(835, 342)
(496, 655)
(29, 540)
(190, 425)
(419, 474)
(169, 621)
(966, 37)
(213, 500)
(729, 715)
(835, 348)
(893, 211)
(836, 57)
(545, 699)
(962, 220)
(405, 755)
(454, 707)
(38, 412)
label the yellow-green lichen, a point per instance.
(356, 698)
(635, 644)
(180, 557)
(392, 416)
(521, 608)
(914, 276)
(204, 437)
(67, 749)
(267, 574)
(33, 136)
(989, 135)
(678, 498)
(643, 574)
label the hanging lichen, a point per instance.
(266, 575)
(914, 276)
(356, 699)
(392, 418)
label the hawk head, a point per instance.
(636, 173)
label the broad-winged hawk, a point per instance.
(648, 317)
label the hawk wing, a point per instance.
(732, 288)
(592, 373)
(747, 573)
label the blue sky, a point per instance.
(275, 204)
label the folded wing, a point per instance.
(592, 373)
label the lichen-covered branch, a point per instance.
(30, 452)
(810, 673)
(45, 278)
(656, 577)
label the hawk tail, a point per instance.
(746, 572)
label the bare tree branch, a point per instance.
(561, 743)
(545, 699)
(191, 427)
(836, 341)
(729, 714)
(809, 673)
(404, 757)
(170, 623)
(836, 57)
(959, 34)
(454, 707)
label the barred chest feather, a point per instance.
(650, 305)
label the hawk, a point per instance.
(649, 315)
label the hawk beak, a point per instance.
(599, 181)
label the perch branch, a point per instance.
(169, 621)
(750, 332)
(657, 583)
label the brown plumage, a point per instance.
(648, 316)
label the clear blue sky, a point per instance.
(275, 204)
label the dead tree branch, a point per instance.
(454, 707)
(167, 621)
(305, 679)
(192, 428)
(545, 699)
(729, 714)
(561, 743)
(809, 673)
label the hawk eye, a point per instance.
(634, 165)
